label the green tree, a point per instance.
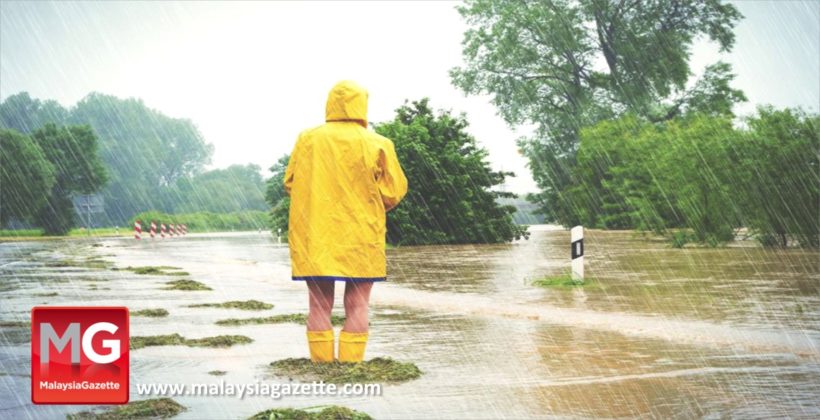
(73, 153)
(696, 166)
(779, 159)
(145, 151)
(26, 176)
(683, 172)
(25, 114)
(450, 199)
(232, 189)
(276, 197)
(540, 63)
(614, 186)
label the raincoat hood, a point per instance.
(347, 101)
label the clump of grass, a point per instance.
(218, 341)
(157, 270)
(333, 412)
(378, 369)
(47, 294)
(157, 340)
(14, 324)
(90, 262)
(565, 280)
(185, 285)
(158, 408)
(178, 340)
(247, 305)
(153, 313)
(217, 373)
(277, 319)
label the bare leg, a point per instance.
(321, 303)
(357, 300)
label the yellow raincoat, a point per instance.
(342, 178)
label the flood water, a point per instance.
(659, 332)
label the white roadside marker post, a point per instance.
(577, 252)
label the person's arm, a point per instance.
(392, 182)
(291, 167)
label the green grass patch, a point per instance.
(156, 270)
(47, 294)
(14, 324)
(277, 319)
(100, 232)
(378, 369)
(220, 341)
(14, 233)
(566, 281)
(152, 313)
(333, 412)
(185, 285)
(158, 408)
(90, 262)
(247, 305)
(217, 373)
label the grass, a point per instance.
(378, 369)
(158, 408)
(277, 319)
(152, 313)
(220, 341)
(77, 233)
(186, 284)
(14, 324)
(247, 305)
(21, 233)
(156, 270)
(89, 262)
(47, 294)
(217, 373)
(333, 412)
(565, 280)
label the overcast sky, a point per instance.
(253, 75)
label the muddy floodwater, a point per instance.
(659, 332)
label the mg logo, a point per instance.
(79, 355)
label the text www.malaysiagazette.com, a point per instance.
(259, 389)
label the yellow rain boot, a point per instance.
(351, 347)
(321, 346)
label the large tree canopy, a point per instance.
(145, 151)
(451, 197)
(232, 189)
(78, 169)
(26, 176)
(562, 65)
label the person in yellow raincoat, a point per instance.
(342, 179)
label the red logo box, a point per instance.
(79, 355)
